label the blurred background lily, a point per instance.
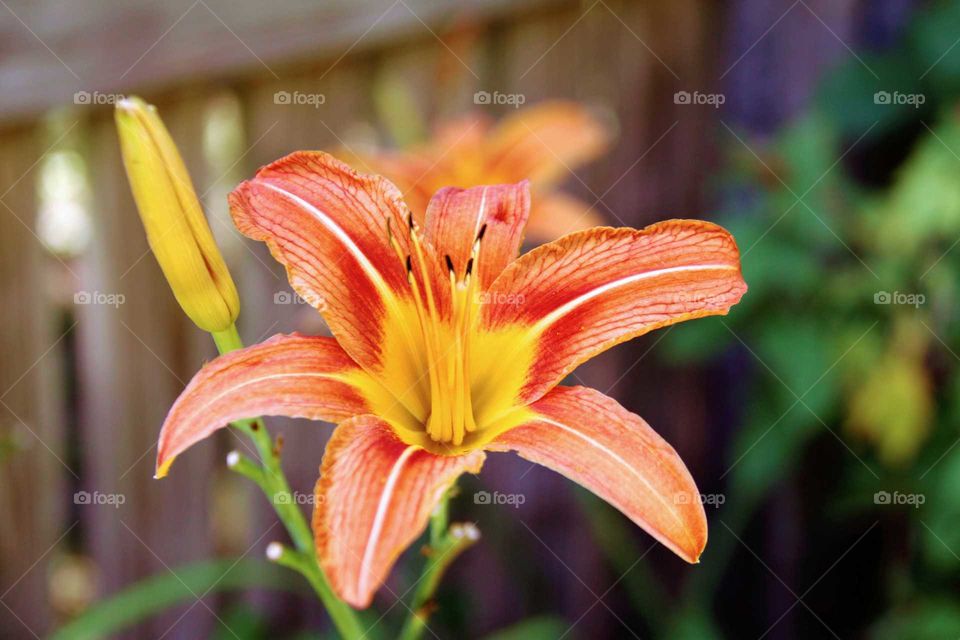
(544, 143)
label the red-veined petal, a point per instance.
(327, 224)
(374, 497)
(288, 375)
(545, 142)
(571, 299)
(456, 216)
(589, 438)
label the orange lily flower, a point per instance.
(446, 346)
(542, 143)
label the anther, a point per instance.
(469, 269)
(449, 264)
(482, 231)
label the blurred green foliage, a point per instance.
(848, 222)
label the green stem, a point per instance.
(274, 484)
(446, 544)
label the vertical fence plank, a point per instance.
(134, 360)
(34, 474)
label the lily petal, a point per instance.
(287, 375)
(373, 499)
(589, 438)
(327, 224)
(456, 216)
(546, 142)
(574, 298)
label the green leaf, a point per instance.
(931, 619)
(695, 341)
(543, 628)
(848, 95)
(614, 534)
(940, 514)
(694, 624)
(933, 38)
(170, 588)
(924, 204)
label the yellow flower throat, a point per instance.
(445, 343)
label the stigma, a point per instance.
(445, 338)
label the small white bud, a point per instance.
(274, 551)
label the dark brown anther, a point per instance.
(410, 222)
(409, 265)
(483, 230)
(449, 264)
(469, 268)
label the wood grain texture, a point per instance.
(142, 45)
(35, 471)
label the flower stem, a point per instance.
(446, 544)
(271, 479)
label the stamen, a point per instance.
(447, 354)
